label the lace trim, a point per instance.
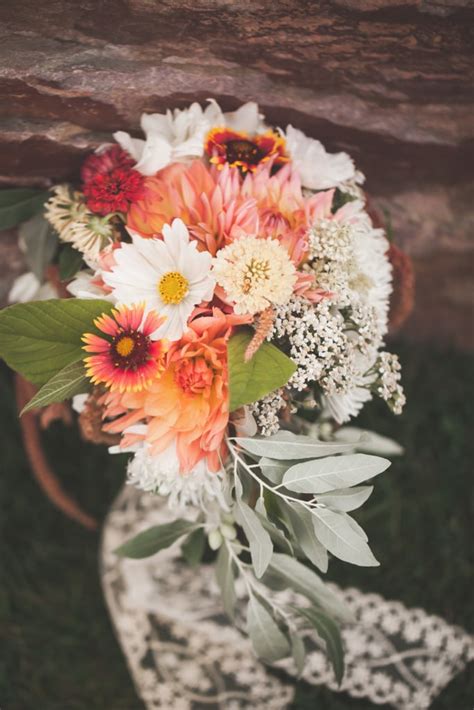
(183, 655)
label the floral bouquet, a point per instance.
(226, 304)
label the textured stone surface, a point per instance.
(390, 82)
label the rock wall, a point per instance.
(390, 82)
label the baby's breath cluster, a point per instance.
(315, 336)
(335, 343)
(267, 411)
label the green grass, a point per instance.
(58, 647)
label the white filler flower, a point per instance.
(179, 135)
(169, 275)
(160, 474)
(318, 169)
(255, 273)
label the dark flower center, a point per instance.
(243, 151)
(129, 350)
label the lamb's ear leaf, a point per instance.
(268, 370)
(40, 338)
(69, 381)
(193, 547)
(268, 640)
(225, 575)
(328, 630)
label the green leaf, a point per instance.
(261, 546)
(333, 472)
(193, 547)
(225, 576)
(338, 535)
(40, 241)
(302, 524)
(269, 642)
(40, 338)
(268, 370)
(70, 261)
(157, 538)
(19, 204)
(346, 499)
(69, 381)
(306, 582)
(328, 631)
(286, 446)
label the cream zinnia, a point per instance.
(255, 273)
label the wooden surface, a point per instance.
(390, 83)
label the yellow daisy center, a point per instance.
(125, 346)
(173, 287)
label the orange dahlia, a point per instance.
(127, 359)
(209, 203)
(238, 149)
(189, 404)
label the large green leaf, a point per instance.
(328, 631)
(19, 204)
(157, 538)
(69, 381)
(269, 642)
(40, 338)
(40, 242)
(268, 370)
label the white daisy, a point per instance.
(179, 135)
(170, 275)
(318, 169)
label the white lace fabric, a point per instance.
(183, 654)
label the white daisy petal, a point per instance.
(169, 275)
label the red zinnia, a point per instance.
(110, 183)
